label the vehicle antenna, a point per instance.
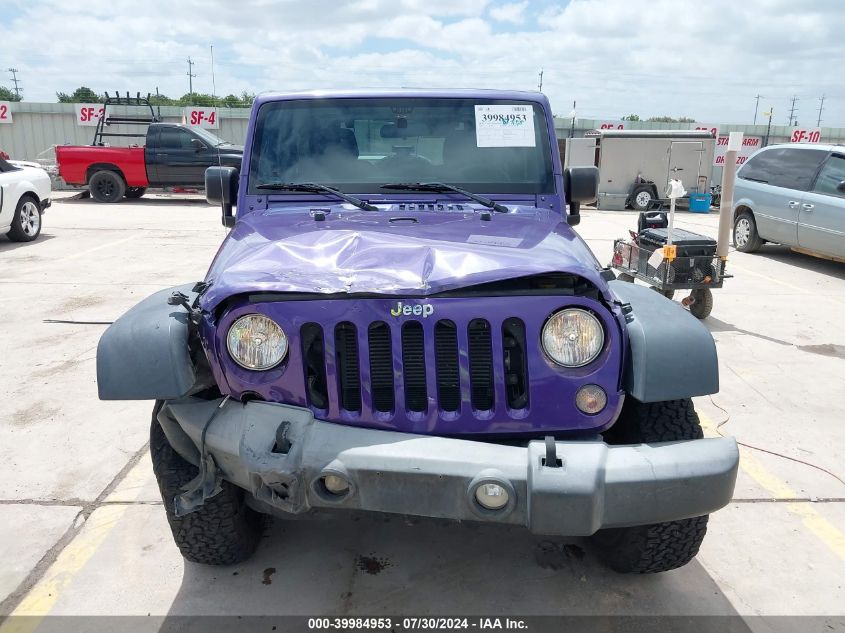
(214, 104)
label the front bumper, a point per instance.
(596, 486)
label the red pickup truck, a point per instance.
(173, 155)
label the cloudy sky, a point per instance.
(706, 59)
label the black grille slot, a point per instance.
(480, 364)
(314, 360)
(446, 365)
(348, 374)
(381, 367)
(413, 366)
(516, 363)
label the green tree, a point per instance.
(668, 119)
(631, 117)
(8, 95)
(197, 99)
(231, 101)
(247, 98)
(162, 100)
(83, 94)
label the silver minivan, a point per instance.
(794, 195)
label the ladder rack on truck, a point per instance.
(126, 119)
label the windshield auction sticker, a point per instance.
(504, 126)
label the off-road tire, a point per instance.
(649, 549)
(133, 193)
(223, 530)
(752, 243)
(107, 186)
(26, 229)
(703, 304)
(636, 192)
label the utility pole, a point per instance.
(191, 76)
(18, 89)
(792, 112)
(821, 107)
(572, 124)
(769, 114)
(540, 87)
(756, 106)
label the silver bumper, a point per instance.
(596, 486)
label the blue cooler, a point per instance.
(700, 202)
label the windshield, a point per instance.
(208, 137)
(358, 145)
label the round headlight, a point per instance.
(256, 342)
(573, 337)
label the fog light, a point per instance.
(335, 484)
(491, 496)
(591, 399)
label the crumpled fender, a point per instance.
(672, 354)
(145, 354)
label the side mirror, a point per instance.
(221, 189)
(841, 186)
(580, 184)
(198, 145)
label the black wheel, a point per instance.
(133, 193)
(641, 197)
(628, 279)
(107, 186)
(668, 292)
(26, 222)
(702, 305)
(649, 549)
(746, 238)
(223, 530)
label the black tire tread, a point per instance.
(659, 547)
(105, 173)
(703, 305)
(223, 531)
(15, 233)
(754, 240)
(133, 193)
(633, 197)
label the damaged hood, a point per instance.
(391, 251)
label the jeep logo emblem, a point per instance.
(421, 309)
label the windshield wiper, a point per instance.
(311, 187)
(441, 187)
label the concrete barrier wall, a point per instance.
(37, 127)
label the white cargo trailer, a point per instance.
(635, 166)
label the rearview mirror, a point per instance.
(221, 188)
(197, 144)
(580, 184)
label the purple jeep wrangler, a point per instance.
(402, 320)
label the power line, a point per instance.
(18, 89)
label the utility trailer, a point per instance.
(635, 166)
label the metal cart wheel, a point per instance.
(702, 304)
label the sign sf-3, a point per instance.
(424, 309)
